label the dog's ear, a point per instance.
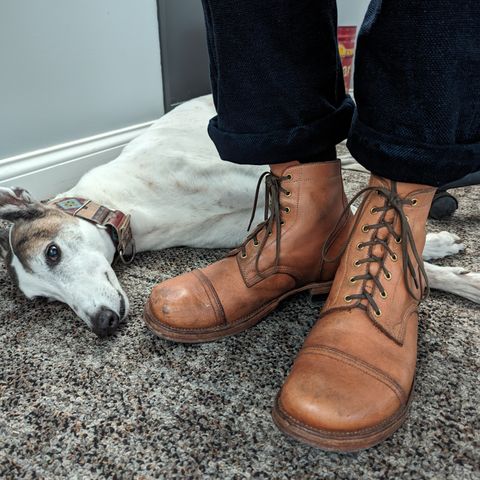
(17, 204)
(4, 243)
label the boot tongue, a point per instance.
(279, 168)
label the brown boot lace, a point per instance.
(272, 216)
(392, 202)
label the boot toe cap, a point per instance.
(327, 395)
(184, 303)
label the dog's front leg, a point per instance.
(454, 280)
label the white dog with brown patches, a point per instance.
(178, 192)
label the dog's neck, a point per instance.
(170, 210)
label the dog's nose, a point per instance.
(105, 322)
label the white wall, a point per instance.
(74, 68)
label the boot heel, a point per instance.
(321, 289)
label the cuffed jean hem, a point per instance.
(405, 161)
(316, 139)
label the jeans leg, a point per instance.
(417, 89)
(277, 80)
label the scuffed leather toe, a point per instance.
(326, 394)
(187, 302)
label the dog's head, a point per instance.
(51, 254)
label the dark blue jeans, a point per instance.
(278, 86)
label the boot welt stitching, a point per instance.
(217, 305)
(365, 367)
(330, 433)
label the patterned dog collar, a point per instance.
(116, 222)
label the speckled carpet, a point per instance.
(136, 407)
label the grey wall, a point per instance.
(75, 68)
(184, 51)
(351, 12)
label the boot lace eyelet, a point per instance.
(388, 275)
(352, 280)
(373, 210)
(365, 228)
(269, 234)
(394, 257)
(288, 194)
(356, 263)
(378, 313)
(384, 294)
(289, 176)
(398, 240)
(282, 223)
(256, 244)
(244, 255)
(414, 202)
(287, 210)
(347, 299)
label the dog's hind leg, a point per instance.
(440, 245)
(454, 280)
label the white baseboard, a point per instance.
(49, 171)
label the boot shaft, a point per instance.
(311, 201)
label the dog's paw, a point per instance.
(440, 245)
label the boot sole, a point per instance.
(221, 331)
(339, 441)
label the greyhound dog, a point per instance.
(173, 189)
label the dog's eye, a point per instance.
(52, 253)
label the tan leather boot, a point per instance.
(351, 383)
(281, 257)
